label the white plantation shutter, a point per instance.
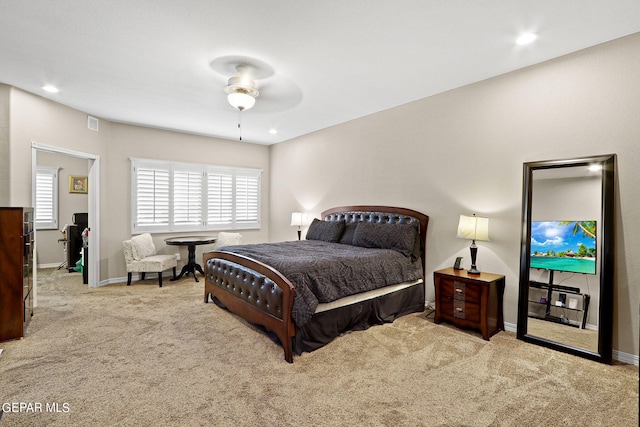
(219, 198)
(187, 197)
(247, 199)
(46, 208)
(152, 197)
(169, 196)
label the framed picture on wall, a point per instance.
(78, 184)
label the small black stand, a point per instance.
(550, 288)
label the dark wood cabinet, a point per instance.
(470, 300)
(16, 271)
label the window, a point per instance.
(187, 196)
(169, 196)
(152, 197)
(46, 204)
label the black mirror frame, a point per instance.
(605, 310)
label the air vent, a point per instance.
(93, 123)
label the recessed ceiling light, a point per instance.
(526, 38)
(273, 131)
(50, 89)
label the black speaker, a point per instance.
(81, 220)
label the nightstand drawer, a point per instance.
(457, 289)
(469, 300)
(460, 309)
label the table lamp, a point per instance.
(474, 228)
(298, 219)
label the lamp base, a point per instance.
(474, 252)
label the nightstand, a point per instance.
(470, 300)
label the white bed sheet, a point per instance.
(353, 299)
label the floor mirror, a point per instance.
(566, 262)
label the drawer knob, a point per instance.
(458, 309)
(458, 290)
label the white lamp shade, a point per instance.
(240, 100)
(473, 228)
(298, 219)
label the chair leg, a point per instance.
(160, 278)
(128, 279)
(142, 278)
(174, 272)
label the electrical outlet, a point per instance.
(178, 256)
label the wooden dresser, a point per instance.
(16, 267)
(470, 300)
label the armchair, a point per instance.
(140, 257)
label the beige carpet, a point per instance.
(145, 356)
(576, 337)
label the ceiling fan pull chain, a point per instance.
(240, 121)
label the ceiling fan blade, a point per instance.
(227, 66)
(276, 95)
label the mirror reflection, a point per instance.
(563, 276)
(563, 249)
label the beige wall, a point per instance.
(34, 118)
(461, 152)
(128, 141)
(37, 119)
(5, 153)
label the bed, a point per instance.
(358, 266)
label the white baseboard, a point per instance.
(50, 265)
(134, 277)
(511, 327)
(630, 359)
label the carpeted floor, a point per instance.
(576, 337)
(149, 356)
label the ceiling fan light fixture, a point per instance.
(241, 92)
(241, 100)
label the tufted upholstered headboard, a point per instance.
(382, 215)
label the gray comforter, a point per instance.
(322, 272)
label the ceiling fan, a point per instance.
(241, 72)
(276, 93)
(251, 77)
(241, 89)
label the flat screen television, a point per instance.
(568, 246)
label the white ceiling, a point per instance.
(148, 62)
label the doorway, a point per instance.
(93, 208)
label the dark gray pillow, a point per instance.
(399, 237)
(349, 230)
(328, 231)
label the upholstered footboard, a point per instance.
(252, 290)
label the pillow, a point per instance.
(328, 231)
(399, 237)
(349, 230)
(142, 246)
(227, 239)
